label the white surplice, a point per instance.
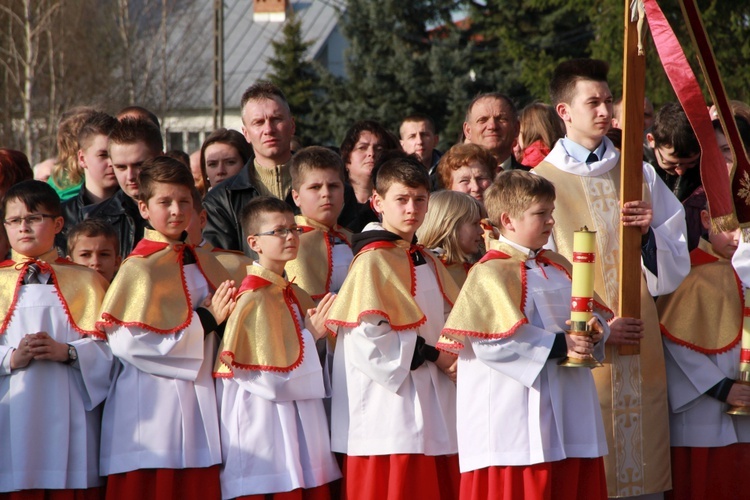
(161, 410)
(380, 406)
(50, 412)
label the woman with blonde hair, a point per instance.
(541, 127)
(452, 229)
(67, 174)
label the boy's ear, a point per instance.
(203, 219)
(81, 159)
(295, 197)
(252, 242)
(59, 224)
(563, 111)
(118, 261)
(706, 220)
(506, 222)
(143, 209)
(650, 139)
(377, 201)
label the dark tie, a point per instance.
(591, 158)
(32, 276)
(188, 257)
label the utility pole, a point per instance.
(218, 105)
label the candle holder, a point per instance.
(741, 410)
(581, 329)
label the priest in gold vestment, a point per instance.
(585, 168)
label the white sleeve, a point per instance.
(521, 356)
(689, 375)
(5, 354)
(379, 352)
(175, 355)
(94, 371)
(741, 261)
(670, 231)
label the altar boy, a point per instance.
(525, 424)
(160, 430)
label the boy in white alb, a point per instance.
(527, 427)
(702, 323)
(270, 387)
(160, 429)
(393, 408)
(54, 364)
(325, 247)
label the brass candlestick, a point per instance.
(582, 329)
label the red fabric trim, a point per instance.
(714, 173)
(379, 313)
(746, 312)
(481, 335)
(449, 348)
(744, 355)
(698, 257)
(252, 283)
(400, 476)
(569, 479)
(157, 484)
(493, 254)
(7, 263)
(145, 247)
(110, 320)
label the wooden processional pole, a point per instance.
(631, 164)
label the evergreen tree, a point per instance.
(396, 65)
(299, 79)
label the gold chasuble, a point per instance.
(313, 267)
(705, 312)
(81, 290)
(382, 281)
(149, 290)
(499, 278)
(632, 389)
(263, 332)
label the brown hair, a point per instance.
(513, 192)
(251, 214)
(14, 168)
(540, 122)
(35, 195)
(408, 171)
(67, 172)
(232, 138)
(98, 123)
(387, 140)
(314, 158)
(567, 74)
(134, 130)
(91, 228)
(263, 90)
(461, 155)
(163, 170)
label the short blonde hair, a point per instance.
(513, 191)
(446, 213)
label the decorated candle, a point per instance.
(582, 294)
(745, 350)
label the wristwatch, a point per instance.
(72, 355)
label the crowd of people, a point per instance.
(376, 321)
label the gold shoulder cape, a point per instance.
(263, 332)
(81, 290)
(315, 248)
(233, 261)
(705, 313)
(149, 290)
(382, 281)
(492, 301)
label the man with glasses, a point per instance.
(678, 156)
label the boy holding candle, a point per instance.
(544, 427)
(703, 335)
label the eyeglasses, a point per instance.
(672, 165)
(30, 220)
(282, 232)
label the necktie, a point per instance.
(592, 158)
(33, 277)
